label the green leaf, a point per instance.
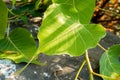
(37, 4)
(3, 19)
(19, 46)
(110, 63)
(25, 19)
(81, 10)
(13, 3)
(66, 29)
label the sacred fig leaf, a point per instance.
(3, 18)
(82, 10)
(19, 46)
(110, 63)
(66, 30)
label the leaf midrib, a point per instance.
(21, 53)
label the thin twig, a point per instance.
(108, 12)
(108, 20)
(10, 11)
(8, 30)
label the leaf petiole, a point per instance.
(89, 65)
(102, 76)
(83, 63)
(101, 47)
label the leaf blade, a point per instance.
(3, 19)
(60, 32)
(109, 63)
(21, 45)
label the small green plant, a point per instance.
(65, 29)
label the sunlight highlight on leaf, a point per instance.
(66, 29)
